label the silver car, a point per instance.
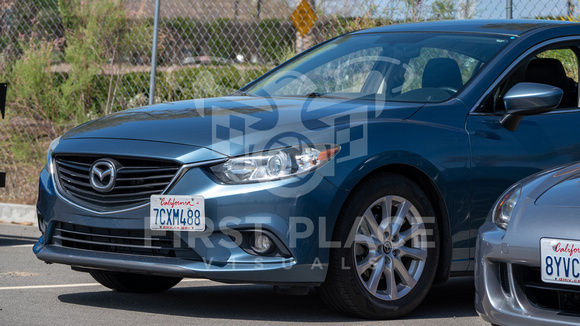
(527, 268)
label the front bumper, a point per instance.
(299, 214)
(285, 272)
(508, 287)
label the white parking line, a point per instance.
(28, 287)
(22, 246)
(55, 286)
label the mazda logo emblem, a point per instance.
(102, 175)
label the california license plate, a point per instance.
(560, 261)
(171, 212)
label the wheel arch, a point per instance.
(426, 184)
(436, 198)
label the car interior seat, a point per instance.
(550, 71)
(442, 73)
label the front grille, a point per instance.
(504, 278)
(559, 297)
(132, 242)
(136, 181)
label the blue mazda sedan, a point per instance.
(363, 167)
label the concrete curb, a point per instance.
(19, 214)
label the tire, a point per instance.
(134, 283)
(381, 247)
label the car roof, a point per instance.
(512, 27)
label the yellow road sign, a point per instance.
(303, 17)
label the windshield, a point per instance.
(404, 67)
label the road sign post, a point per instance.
(303, 19)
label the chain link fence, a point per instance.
(69, 61)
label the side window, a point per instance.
(556, 67)
(564, 64)
(568, 59)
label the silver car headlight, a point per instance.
(275, 164)
(51, 147)
(505, 206)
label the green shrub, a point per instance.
(277, 37)
(32, 86)
(186, 83)
(219, 44)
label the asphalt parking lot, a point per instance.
(34, 293)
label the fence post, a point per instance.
(154, 55)
(508, 9)
(3, 90)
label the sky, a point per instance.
(484, 8)
(524, 8)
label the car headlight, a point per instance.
(51, 148)
(505, 206)
(274, 164)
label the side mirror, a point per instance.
(528, 99)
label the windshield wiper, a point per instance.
(241, 93)
(324, 95)
(315, 94)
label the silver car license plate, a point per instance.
(560, 261)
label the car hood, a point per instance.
(560, 187)
(235, 125)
